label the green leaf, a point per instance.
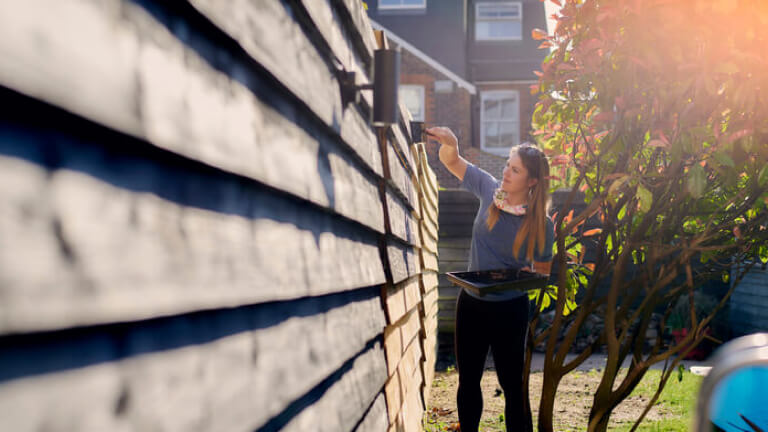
(616, 185)
(724, 159)
(645, 198)
(576, 248)
(583, 280)
(697, 181)
(763, 177)
(545, 302)
(622, 213)
(570, 306)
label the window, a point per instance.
(402, 4)
(498, 21)
(413, 98)
(499, 121)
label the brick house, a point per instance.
(468, 65)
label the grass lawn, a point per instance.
(678, 400)
(673, 411)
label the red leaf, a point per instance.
(592, 232)
(538, 34)
(545, 44)
(590, 45)
(559, 160)
(620, 104)
(736, 135)
(566, 66)
(603, 16)
(664, 137)
(603, 117)
(557, 2)
(638, 62)
(657, 143)
(590, 112)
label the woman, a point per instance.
(512, 212)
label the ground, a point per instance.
(673, 412)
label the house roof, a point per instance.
(425, 58)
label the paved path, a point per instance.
(595, 361)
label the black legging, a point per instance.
(502, 326)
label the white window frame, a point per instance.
(420, 89)
(497, 94)
(401, 6)
(513, 38)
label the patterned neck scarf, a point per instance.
(499, 197)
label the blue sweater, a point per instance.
(492, 250)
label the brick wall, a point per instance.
(455, 110)
(450, 109)
(527, 102)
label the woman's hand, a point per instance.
(541, 267)
(443, 136)
(449, 150)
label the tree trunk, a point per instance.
(601, 404)
(547, 403)
(598, 421)
(528, 422)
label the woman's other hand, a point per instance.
(541, 267)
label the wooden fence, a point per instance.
(747, 305)
(458, 209)
(195, 233)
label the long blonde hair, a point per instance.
(535, 221)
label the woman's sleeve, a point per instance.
(478, 181)
(546, 255)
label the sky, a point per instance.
(550, 8)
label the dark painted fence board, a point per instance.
(346, 401)
(375, 419)
(172, 259)
(207, 222)
(233, 382)
(164, 93)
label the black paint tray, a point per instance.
(486, 281)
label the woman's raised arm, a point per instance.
(449, 150)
